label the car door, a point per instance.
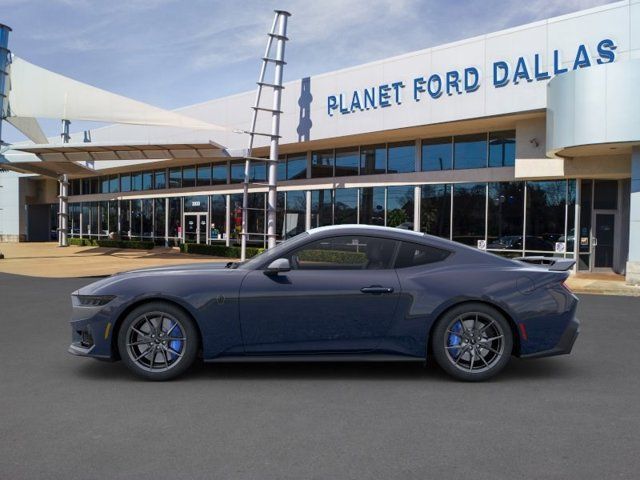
(340, 296)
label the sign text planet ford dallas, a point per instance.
(456, 82)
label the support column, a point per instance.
(63, 210)
(633, 263)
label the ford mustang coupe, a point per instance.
(349, 292)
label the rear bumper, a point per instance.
(565, 344)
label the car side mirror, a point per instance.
(277, 266)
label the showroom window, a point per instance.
(506, 216)
(160, 179)
(296, 166)
(372, 206)
(400, 207)
(347, 162)
(546, 204)
(401, 157)
(470, 151)
(502, 149)
(346, 206)
(322, 164)
(219, 173)
(437, 154)
(435, 210)
(469, 200)
(373, 159)
(203, 175)
(321, 208)
(175, 177)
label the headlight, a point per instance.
(93, 300)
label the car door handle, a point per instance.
(376, 289)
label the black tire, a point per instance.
(170, 355)
(478, 352)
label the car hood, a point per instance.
(105, 284)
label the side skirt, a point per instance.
(315, 358)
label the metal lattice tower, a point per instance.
(277, 37)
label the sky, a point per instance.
(172, 53)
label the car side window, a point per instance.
(345, 253)
(414, 254)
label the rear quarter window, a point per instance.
(414, 254)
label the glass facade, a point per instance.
(510, 217)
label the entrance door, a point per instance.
(195, 228)
(604, 239)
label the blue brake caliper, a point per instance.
(455, 340)
(175, 345)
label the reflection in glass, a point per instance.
(147, 180)
(400, 207)
(372, 206)
(188, 177)
(401, 157)
(175, 177)
(175, 214)
(125, 182)
(218, 217)
(219, 173)
(296, 167)
(322, 164)
(321, 208)
(114, 183)
(113, 216)
(373, 159)
(159, 221)
(147, 217)
(346, 206)
(435, 210)
(506, 216)
(469, 212)
(437, 154)
(160, 179)
(296, 209)
(125, 217)
(470, 151)
(136, 181)
(545, 214)
(347, 162)
(203, 175)
(136, 218)
(502, 149)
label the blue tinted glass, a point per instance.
(189, 176)
(258, 172)
(175, 178)
(401, 158)
(322, 164)
(237, 172)
(347, 162)
(346, 206)
(204, 175)
(219, 174)
(125, 183)
(136, 181)
(161, 179)
(104, 184)
(437, 154)
(372, 211)
(373, 160)
(470, 151)
(502, 149)
(400, 207)
(147, 180)
(114, 183)
(282, 168)
(296, 167)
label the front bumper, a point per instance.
(564, 345)
(92, 330)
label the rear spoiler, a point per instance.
(553, 263)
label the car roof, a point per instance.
(369, 228)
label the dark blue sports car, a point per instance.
(348, 292)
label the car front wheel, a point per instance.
(472, 342)
(158, 341)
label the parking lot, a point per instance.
(575, 416)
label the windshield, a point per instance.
(271, 254)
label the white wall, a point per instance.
(9, 205)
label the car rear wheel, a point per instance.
(472, 342)
(158, 341)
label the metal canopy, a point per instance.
(82, 152)
(50, 169)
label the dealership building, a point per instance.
(524, 141)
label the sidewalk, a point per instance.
(49, 260)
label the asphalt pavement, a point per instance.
(567, 417)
